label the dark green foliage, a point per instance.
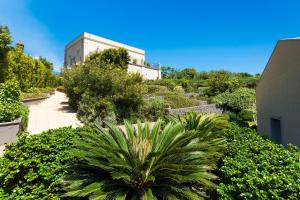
(256, 168)
(238, 100)
(15, 64)
(10, 106)
(188, 73)
(222, 81)
(10, 91)
(24, 113)
(169, 83)
(144, 163)
(168, 72)
(175, 100)
(115, 56)
(95, 110)
(108, 86)
(154, 108)
(32, 167)
(9, 111)
(244, 118)
(152, 89)
(5, 41)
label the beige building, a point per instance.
(85, 44)
(278, 94)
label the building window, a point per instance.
(276, 130)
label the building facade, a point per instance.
(278, 94)
(85, 44)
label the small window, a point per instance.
(276, 130)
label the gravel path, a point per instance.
(51, 113)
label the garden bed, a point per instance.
(9, 131)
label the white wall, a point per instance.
(91, 46)
(74, 53)
(147, 73)
(84, 45)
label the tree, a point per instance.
(117, 56)
(144, 163)
(15, 64)
(105, 86)
(28, 71)
(5, 41)
(188, 73)
(168, 72)
(222, 81)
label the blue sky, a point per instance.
(236, 35)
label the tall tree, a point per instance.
(5, 41)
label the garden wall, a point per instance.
(208, 108)
(8, 131)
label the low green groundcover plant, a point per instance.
(32, 167)
(256, 168)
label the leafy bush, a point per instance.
(222, 81)
(9, 111)
(10, 106)
(32, 167)
(24, 113)
(143, 163)
(178, 89)
(256, 168)
(10, 91)
(60, 88)
(175, 100)
(105, 81)
(152, 89)
(94, 110)
(169, 83)
(154, 108)
(240, 99)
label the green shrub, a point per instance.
(178, 89)
(152, 89)
(60, 88)
(94, 110)
(143, 163)
(175, 100)
(24, 113)
(9, 111)
(32, 167)
(245, 118)
(222, 81)
(10, 91)
(10, 106)
(256, 168)
(169, 83)
(240, 99)
(154, 109)
(102, 80)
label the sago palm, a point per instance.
(143, 162)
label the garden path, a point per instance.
(51, 113)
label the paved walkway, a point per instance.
(51, 113)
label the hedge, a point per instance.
(32, 167)
(256, 168)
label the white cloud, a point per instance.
(37, 38)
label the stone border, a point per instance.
(9, 131)
(35, 99)
(206, 108)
